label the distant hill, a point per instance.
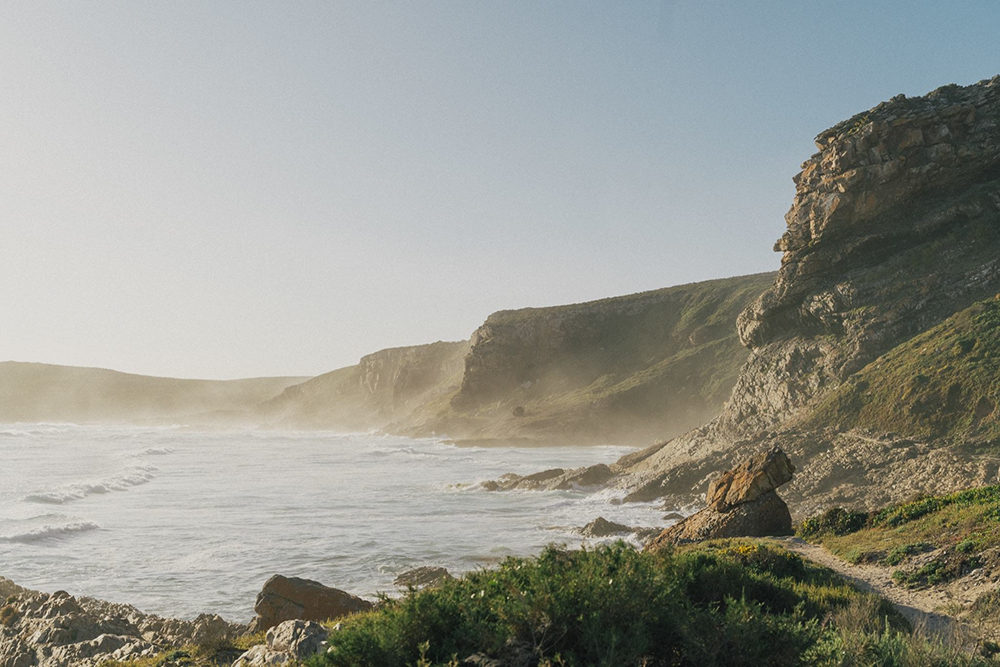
(31, 392)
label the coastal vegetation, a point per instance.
(729, 602)
(943, 383)
(959, 532)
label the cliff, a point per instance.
(623, 369)
(383, 387)
(48, 393)
(895, 227)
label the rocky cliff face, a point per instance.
(384, 386)
(894, 228)
(623, 369)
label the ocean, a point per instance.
(179, 522)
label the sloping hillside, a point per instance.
(944, 382)
(625, 369)
(47, 393)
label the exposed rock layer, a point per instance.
(895, 226)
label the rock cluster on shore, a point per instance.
(60, 630)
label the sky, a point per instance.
(239, 188)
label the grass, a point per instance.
(944, 382)
(961, 526)
(213, 652)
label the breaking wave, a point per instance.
(50, 532)
(123, 482)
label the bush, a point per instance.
(835, 521)
(724, 603)
(896, 515)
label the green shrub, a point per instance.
(835, 521)
(896, 515)
(722, 603)
(899, 554)
(940, 570)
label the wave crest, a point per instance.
(123, 482)
(50, 532)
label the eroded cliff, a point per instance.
(624, 369)
(383, 387)
(895, 227)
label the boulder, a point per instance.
(601, 527)
(742, 502)
(287, 642)
(289, 598)
(764, 515)
(751, 479)
(420, 577)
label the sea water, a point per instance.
(178, 522)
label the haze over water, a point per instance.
(179, 523)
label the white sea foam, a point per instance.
(51, 532)
(124, 481)
(228, 509)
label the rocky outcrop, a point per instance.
(287, 642)
(288, 598)
(555, 479)
(894, 227)
(741, 503)
(60, 630)
(601, 528)
(421, 577)
(753, 478)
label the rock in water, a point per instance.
(420, 577)
(601, 527)
(741, 503)
(288, 598)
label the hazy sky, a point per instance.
(224, 189)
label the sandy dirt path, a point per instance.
(920, 607)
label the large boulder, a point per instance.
(288, 598)
(764, 515)
(751, 479)
(741, 503)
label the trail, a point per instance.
(918, 606)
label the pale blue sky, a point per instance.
(225, 189)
